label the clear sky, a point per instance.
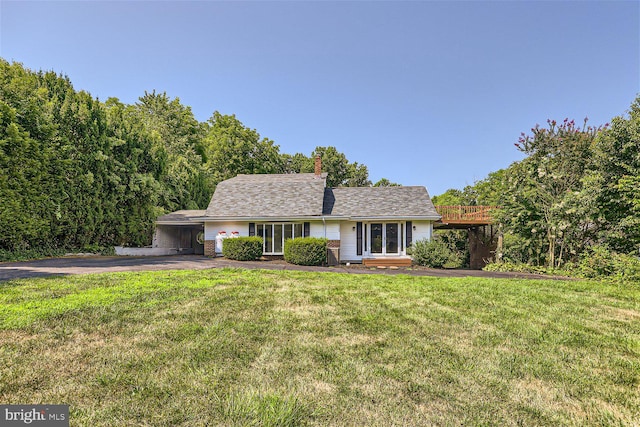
(422, 92)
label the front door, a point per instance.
(384, 238)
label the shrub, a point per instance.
(434, 253)
(306, 251)
(600, 263)
(596, 262)
(518, 267)
(29, 254)
(242, 248)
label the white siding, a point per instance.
(331, 232)
(424, 230)
(316, 229)
(348, 242)
(211, 229)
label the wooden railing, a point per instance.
(466, 214)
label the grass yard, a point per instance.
(269, 348)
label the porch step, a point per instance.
(386, 262)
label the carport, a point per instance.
(180, 233)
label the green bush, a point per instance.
(597, 263)
(434, 253)
(306, 251)
(29, 254)
(242, 248)
(601, 263)
(518, 267)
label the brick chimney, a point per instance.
(318, 165)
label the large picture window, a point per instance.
(274, 235)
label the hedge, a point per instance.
(306, 251)
(242, 248)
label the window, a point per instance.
(274, 235)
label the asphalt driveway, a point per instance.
(103, 264)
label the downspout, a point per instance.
(324, 227)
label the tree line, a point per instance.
(77, 172)
(577, 190)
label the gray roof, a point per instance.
(184, 215)
(371, 202)
(268, 195)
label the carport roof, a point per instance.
(180, 216)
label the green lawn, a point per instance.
(236, 347)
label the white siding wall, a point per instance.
(211, 229)
(424, 230)
(348, 242)
(317, 229)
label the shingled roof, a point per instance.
(378, 202)
(268, 196)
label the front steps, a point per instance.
(386, 262)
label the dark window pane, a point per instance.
(288, 230)
(277, 238)
(392, 238)
(376, 238)
(268, 238)
(297, 230)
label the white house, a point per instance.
(362, 222)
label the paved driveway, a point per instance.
(101, 264)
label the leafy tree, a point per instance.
(232, 149)
(384, 182)
(451, 197)
(358, 175)
(178, 145)
(340, 172)
(544, 188)
(297, 163)
(617, 165)
(491, 191)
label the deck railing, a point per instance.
(467, 214)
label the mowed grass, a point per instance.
(274, 348)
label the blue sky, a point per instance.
(422, 92)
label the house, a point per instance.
(361, 222)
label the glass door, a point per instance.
(391, 238)
(384, 238)
(376, 238)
